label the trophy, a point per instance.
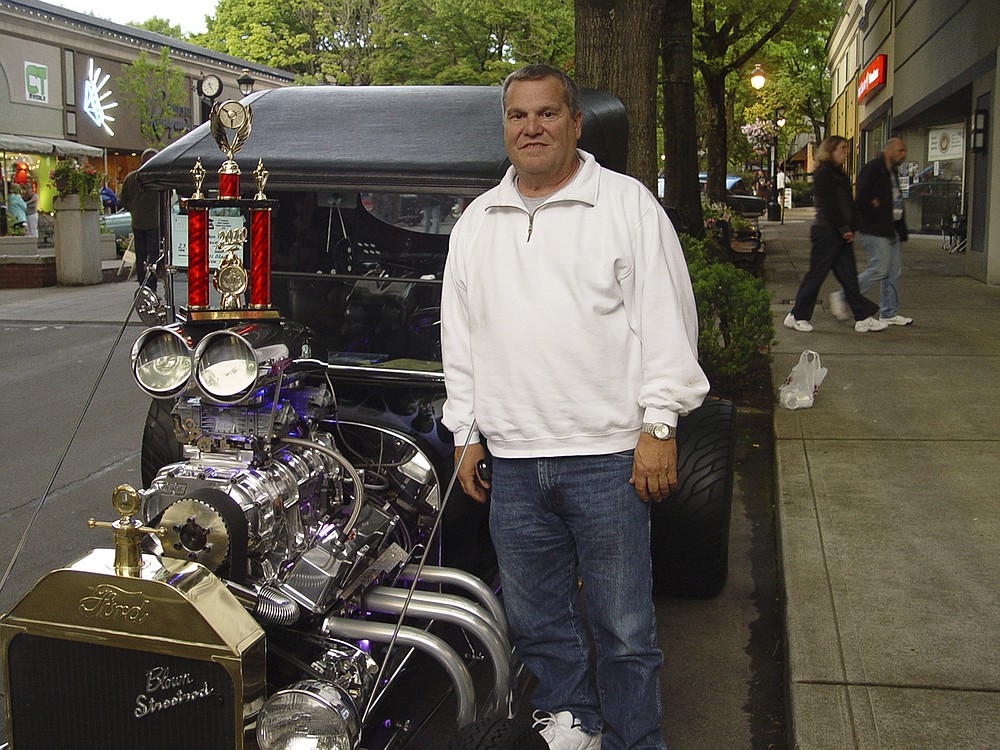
(230, 123)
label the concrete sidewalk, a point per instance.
(887, 515)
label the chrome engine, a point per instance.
(318, 526)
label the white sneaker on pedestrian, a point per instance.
(838, 306)
(562, 732)
(870, 324)
(797, 325)
(897, 320)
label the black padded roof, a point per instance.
(403, 138)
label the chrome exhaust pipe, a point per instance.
(429, 643)
(459, 578)
(463, 613)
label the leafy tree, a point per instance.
(616, 50)
(320, 42)
(156, 91)
(458, 42)
(160, 26)
(682, 189)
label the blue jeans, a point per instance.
(552, 520)
(884, 266)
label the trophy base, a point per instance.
(242, 314)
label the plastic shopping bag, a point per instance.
(799, 389)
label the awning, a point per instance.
(35, 145)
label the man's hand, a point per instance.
(654, 468)
(848, 236)
(467, 476)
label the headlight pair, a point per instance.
(225, 366)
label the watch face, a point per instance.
(210, 86)
(661, 431)
(232, 115)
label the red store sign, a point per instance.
(872, 78)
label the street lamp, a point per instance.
(246, 82)
(757, 77)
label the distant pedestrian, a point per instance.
(144, 205)
(109, 201)
(16, 208)
(30, 211)
(832, 235)
(882, 226)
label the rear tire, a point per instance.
(497, 733)
(690, 530)
(159, 446)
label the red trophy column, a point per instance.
(198, 258)
(260, 258)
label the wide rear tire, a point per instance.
(497, 733)
(690, 530)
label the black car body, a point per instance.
(297, 477)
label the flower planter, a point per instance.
(78, 240)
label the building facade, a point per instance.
(926, 70)
(59, 74)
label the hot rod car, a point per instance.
(299, 563)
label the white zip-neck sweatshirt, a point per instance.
(564, 330)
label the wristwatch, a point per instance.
(659, 430)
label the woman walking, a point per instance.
(832, 234)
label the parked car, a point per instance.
(738, 197)
(119, 223)
(298, 510)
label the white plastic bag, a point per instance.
(799, 389)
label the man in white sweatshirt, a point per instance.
(569, 336)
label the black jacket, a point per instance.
(832, 198)
(875, 185)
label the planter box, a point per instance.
(78, 241)
(18, 246)
(108, 248)
(27, 271)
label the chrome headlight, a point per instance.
(161, 362)
(227, 367)
(310, 715)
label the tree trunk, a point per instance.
(616, 51)
(716, 141)
(680, 141)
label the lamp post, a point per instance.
(773, 207)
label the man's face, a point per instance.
(540, 135)
(896, 151)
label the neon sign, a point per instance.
(872, 78)
(94, 104)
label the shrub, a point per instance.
(735, 328)
(801, 193)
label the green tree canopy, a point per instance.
(155, 90)
(160, 26)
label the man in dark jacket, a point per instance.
(144, 205)
(882, 226)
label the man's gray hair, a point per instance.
(538, 72)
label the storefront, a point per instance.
(927, 72)
(60, 75)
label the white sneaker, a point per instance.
(838, 306)
(561, 732)
(870, 324)
(897, 320)
(797, 325)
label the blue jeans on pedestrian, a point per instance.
(554, 520)
(147, 252)
(885, 266)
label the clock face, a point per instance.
(210, 86)
(232, 114)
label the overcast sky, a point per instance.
(188, 14)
